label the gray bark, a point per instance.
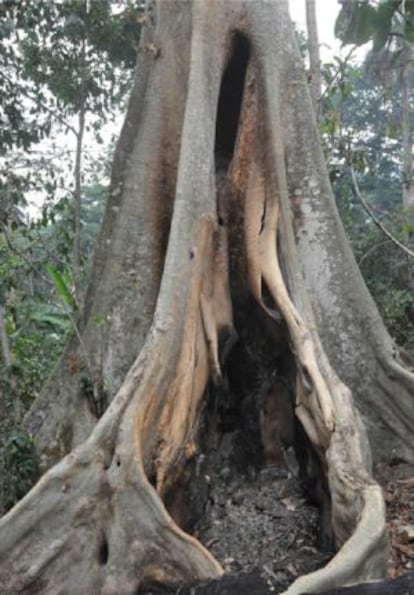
(128, 260)
(353, 334)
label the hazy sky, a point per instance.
(327, 11)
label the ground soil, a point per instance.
(261, 520)
(397, 481)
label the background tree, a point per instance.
(314, 55)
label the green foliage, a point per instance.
(361, 127)
(61, 286)
(38, 318)
(355, 22)
(36, 325)
(35, 288)
(58, 60)
(360, 21)
(19, 468)
(55, 54)
(387, 271)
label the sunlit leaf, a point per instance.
(60, 285)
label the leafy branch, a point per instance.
(337, 74)
(70, 307)
(375, 219)
(20, 254)
(42, 104)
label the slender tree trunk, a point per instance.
(314, 57)
(77, 194)
(219, 197)
(407, 138)
(407, 133)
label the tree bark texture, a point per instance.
(219, 194)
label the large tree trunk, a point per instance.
(219, 199)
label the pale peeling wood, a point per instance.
(254, 208)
